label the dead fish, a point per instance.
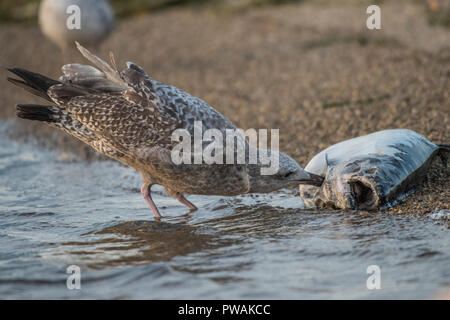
(371, 171)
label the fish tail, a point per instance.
(444, 150)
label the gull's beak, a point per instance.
(310, 178)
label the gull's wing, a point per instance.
(174, 102)
(55, 115)
(113, 117)
(129, 108)
(168, 100)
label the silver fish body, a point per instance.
(370, 171)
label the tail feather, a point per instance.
(32, 82)
(36, 112)
(25, 86)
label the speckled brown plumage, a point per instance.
(130, 117)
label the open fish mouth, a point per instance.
(363, 194)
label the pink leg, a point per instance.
(186, 202)
(145, 190)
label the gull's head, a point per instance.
(284, 172)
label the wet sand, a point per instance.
(314, 71)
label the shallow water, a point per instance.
(55, 213)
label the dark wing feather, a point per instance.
(124, 124)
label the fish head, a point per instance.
(352, 185)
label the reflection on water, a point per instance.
(139, 242)
(56, 213)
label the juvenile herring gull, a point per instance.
(58, 21)
(130, 117)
